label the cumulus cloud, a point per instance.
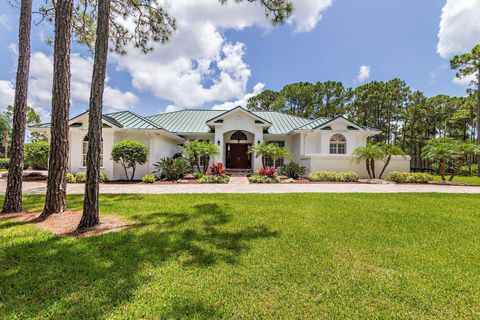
(40, 85)
(242, 101)
(5, 22)
(459, 27)
(7, 94)
(465, 81)
(363, 73)
(200, 65)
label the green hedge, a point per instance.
(214, 179)
(4, 163)
(331, 176)
(257, 178)
(36, 155)
(409, 177)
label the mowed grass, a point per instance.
(474, 180)
(294, 256)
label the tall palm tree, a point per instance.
(389, 151)
(441, 150)
(369, 153)
(13, 193)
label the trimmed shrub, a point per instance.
(198, 175)
(81, 177)
(172, 169)
(148, 178)
(409, 177)
(36, 155)
(71, 178)
(331, 176)
(465, 170)
(103, 177)
(292, 170)
(130, 153)
(258, 178)
(4, 163)
(214, 179)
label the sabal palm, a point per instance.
(441, 150)
(389, 151)
(370, 153)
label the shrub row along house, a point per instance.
(321, 144)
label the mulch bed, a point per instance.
(65, 224)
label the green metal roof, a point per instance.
(195, 121)
(186, 121)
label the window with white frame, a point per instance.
(85, 149)
(278, 162)
(338, 144)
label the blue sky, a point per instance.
(221, 55)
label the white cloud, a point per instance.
(459, 27)
(40, 84)
(5, 22)
(363, 73)
(199, 65)
(308, 13)
(7, 94)
(242, 101)
(465, 81)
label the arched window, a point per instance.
(239, 136)
(85, 149)
(338, 144)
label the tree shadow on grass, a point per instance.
(90, 277)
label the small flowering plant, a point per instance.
(270, 172)
(217, 169)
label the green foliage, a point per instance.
(469, 170)
(272, 150)
(148, 178)
(81, 177)
(71, 178)
(4, 163)
(330, 176)
(292, 170)
(129, 153)
(198, 175)
(172, 169)
(214, 179)
(369, 153)
(36, 155)
(257, 178)
(409, 177)
(103, 177)
(194, 150)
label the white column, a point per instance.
(219, 138)
(257, 162)
(107, 154)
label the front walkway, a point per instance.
(241, 185)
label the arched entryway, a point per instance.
(237, 144)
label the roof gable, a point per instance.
(242, 110)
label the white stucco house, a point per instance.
(321, 144)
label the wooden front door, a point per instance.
(239, 156)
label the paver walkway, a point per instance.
(241, 185)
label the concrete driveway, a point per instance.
(241, 185)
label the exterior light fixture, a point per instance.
(218, 142)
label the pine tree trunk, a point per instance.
(13, 194)
(56, 198)
(90, 215)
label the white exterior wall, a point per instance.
(346, 163)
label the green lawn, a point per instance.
(302, 256)
(470, 180)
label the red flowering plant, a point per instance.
(270, 172)
(217, 169)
